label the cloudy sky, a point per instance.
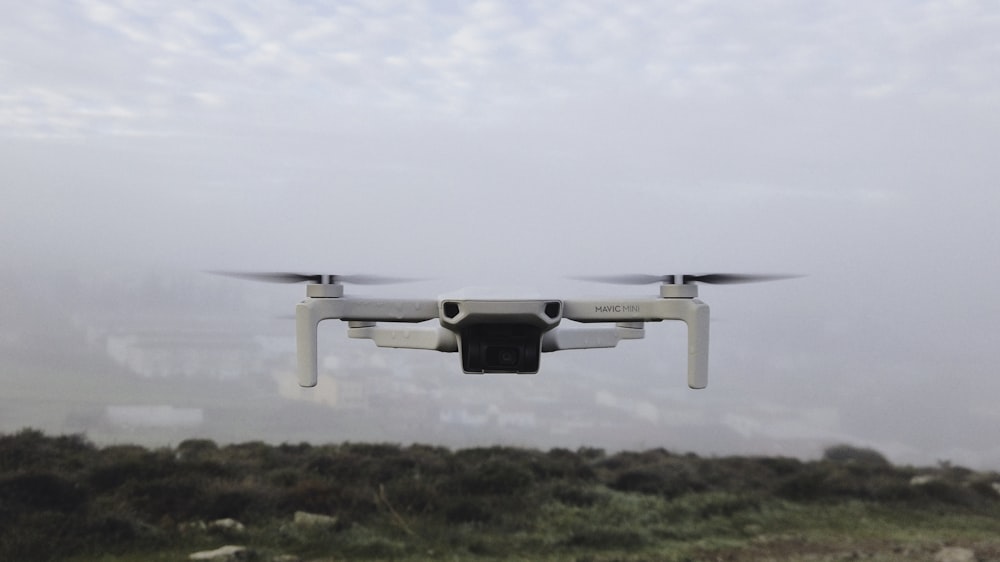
(519, 142)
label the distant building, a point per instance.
(154, 416)
(196, 353)
(492, 416)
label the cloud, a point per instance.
(492, 58)
(50, 114)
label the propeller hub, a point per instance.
(324, 290)
(678, 291)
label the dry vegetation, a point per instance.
(64, 498)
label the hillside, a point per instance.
(63, 498)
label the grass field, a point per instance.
(62, 498)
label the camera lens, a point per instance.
(500, 348)
(502, 356)
(508, 356)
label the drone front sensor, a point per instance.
(500, 336)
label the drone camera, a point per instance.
(500, 336)
(501, 348)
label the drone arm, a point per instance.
(308, 315)
(388, 310)
(689, 310)
(311, 311)
(438, 338)
(591, 338)
(697, 320)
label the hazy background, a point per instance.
(506, 143)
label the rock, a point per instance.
(286, 558)
(306, 519)
(228, 525)
(955, 554)
(192, 527)
(228, 553)
(923, 479)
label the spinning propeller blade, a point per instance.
(636, 279)
(280, 277)
(708, 278)
(735, 278)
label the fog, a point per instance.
(510, 145)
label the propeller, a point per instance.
(708, 278)
(279, 277)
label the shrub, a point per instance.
(430, 462)
(828, 480)
(108, 529)
(949, 492)
(284, 477)
(479, 455)
(562, 464)
(495, 476)
(413, 496)
(296, 450)
(238, 502)
(360, 542)
(985, 486)
(468, 511)
(41, 491)
(605, 538)
(808, 485)
(30, 449)
(349, 502)
(590, 454)
(667, 480)
(352, 465)
(851, 454)
(641, 480)
(177, 497)
(253, 455)
(121, 464)
(39, 535)
(574, 495)
(310, 495)
(196, 448)
(743, 474)
(727, 504)
(780, 466)
(372, 450)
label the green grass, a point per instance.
(62, 498)
(628, 526)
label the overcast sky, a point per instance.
(518, 142)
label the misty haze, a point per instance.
(505, 147)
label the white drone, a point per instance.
(502, 336)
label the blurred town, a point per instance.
(156, 358)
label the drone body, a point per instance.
(499, 336)
(502, 335)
